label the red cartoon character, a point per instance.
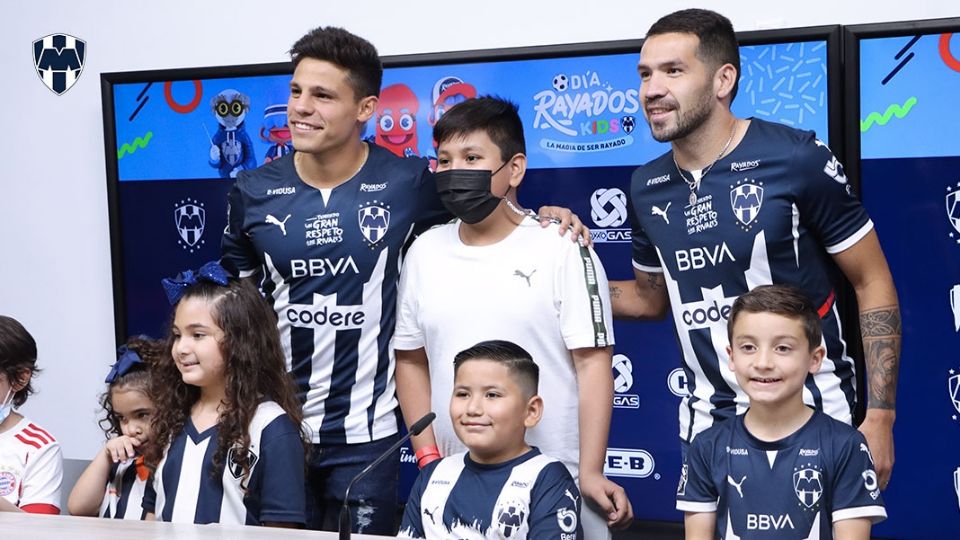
(397, 120)
(447, 92)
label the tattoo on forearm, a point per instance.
(655, 281)
(615, 292)
(881, 331)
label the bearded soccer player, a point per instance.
(749, 203)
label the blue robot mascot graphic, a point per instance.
(231, 149)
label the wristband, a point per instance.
(427, 455)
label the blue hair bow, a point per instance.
(127, 359)
(211, 272)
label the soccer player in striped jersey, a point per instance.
(782, 469)
(322, 230)
(227, 443)
(738, 203)
(31, 464)
(495, 273)
(114, 483)
(502, 487)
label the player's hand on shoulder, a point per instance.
(568, 221)
(121, 448)
(610, 497)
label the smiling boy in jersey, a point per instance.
(781, 467)
(502, 485)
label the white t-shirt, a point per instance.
(534, 288)
(31, 468)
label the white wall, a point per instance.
(54, 236)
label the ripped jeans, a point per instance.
(373, 499)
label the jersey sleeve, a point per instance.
(696, 491)
(408, 334)
(645, 257)
(42, 477)
(555, 505)
(825, 199)
(856, 489)
(411, 526)
(282, 492)
(586, 319)
(237, 253)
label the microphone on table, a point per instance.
(415, 429)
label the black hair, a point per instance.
(18, 355)
(495, 116)
(718, 42)
(519, 363)
(783, 300)
(351, 52)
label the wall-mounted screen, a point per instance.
(903, 113)
(176, 139)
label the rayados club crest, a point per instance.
(746, 198)
(190, 218)
(374, 220)
(59, 60)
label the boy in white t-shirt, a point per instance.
(495, 273)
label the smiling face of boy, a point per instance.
(490, 411)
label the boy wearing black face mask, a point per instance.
(495, 273)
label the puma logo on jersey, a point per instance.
(656, 211)
(738, 485)
(282, 224)
(429, 514)
(527, 277)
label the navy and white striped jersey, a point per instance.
(794, 488)
(532, 496)
(127, 484)
(329, 264)
(186, 490)
(772, 211)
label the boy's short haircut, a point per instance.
(781, 300)
(519, 363)
(495, 116)
(18, 353)
(718, 42)
(351, 52)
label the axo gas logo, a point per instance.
(594, 115)
(629, 463)
(608, 210)
(622, 382)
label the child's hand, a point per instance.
(121, 449)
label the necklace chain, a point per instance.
(694, 184)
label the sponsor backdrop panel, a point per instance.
(911, 187)
(179, 144)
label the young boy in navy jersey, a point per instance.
(502, 487)
(781, 468)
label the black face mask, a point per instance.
(465, 193)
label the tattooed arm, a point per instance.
(644, 298)
(866, 268)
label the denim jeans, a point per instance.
(373, 499)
